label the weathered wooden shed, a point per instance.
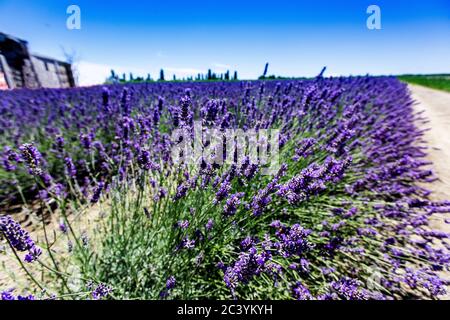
(21, 69)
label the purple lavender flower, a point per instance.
(435, 285)
(188, 243)
(105, 98)
(86, 140)
(70, 167)
(312, 180)
(293, 240)
(10, 158)
(171, 282)
(63, 227)
(232, 204)
(32, 158)
(145, 162)
(162, 192)
(8, 295)
(101, 291)
(223, 191)
(43, 194)
(175, 114)
(305, 149)
(209, 225)
(247, 243)
(33, 254)
(182, 190)
(247, 266)
(248, 169)
(97, 192)
(305, 265)
(183, 224)
(348, 289)
(185, 111)
(300, 292)
(126, 101)
(59, 142)
(263, 198)
(17, 237)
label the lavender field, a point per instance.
(345, 215)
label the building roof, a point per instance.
(24, 42)
(8, 36)
(40, 56)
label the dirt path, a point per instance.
(435, 105)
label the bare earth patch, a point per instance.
(12, 276)
(435, 106)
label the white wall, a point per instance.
(47, 79)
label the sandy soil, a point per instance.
(435, 106)
(436, 109)
(12, 276)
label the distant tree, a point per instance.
(131, 76)
(124, 77)
(72, 58)
(209, 76)
(174, 78)
(113, 78)
(161, 75)
(227, 75)
(149, 78)
(235, 76)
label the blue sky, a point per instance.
(297, 37)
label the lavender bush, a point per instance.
(346, 216)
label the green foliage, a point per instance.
(439, 81)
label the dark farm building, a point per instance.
(21, 69)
